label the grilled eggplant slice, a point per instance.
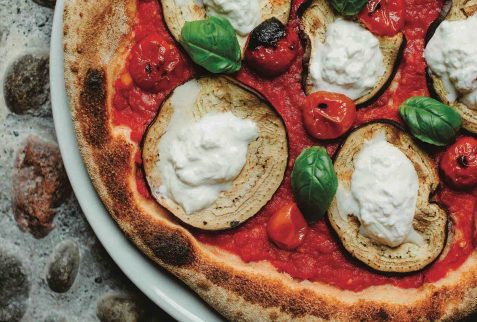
(176, 13)
(314, 22)
(430, 220)
(266, 157)
(453, 10)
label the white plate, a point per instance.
(162, 288)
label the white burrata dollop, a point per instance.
(200, 159)
(243, 15)
(350, 61)
(383, 195)
(452, 55)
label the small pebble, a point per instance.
(14, 287)
(63, 266)
(26, 86)
(39, 185)
(119, 308)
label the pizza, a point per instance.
(286, 159)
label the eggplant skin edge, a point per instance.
(451, 10)
(399, 44)
(407, 257)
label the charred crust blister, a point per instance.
(172, 248)
(94, 81)
(92, 109)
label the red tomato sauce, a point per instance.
(320, 257)
(133, 107)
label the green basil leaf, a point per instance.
(348, 7)
(431, 121)
(212, 44)
(314, 183)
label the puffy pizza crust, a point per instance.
(96, 35)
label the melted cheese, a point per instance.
(383, 195)
(200, 158)
(452, 55)
(243, 15)
(350, 61)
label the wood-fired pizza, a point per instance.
(286, 159)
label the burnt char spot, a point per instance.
(172, 248)
(114, 161)
(383, 315)
(92, 112)
(267, 34)
(234, 223)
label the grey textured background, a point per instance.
(33, 271)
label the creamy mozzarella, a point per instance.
(243, 15)
(383, 195)
(452, 55)
(200, 159)
(350, 61)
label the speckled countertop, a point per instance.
(52, 267)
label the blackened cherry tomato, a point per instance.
(459, 163)
(272, 48)
(328, 115)
(287, 227)
(383, 17)
(154, 63)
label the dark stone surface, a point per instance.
(119, 308)
(39, 185)
(14, 287)
(26, 86)
(46, 3)
(63, 266)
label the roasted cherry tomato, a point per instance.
(459, 163)
(287, 227)
(271, 49)
(383, 17)
(153, 63)
(328, 115)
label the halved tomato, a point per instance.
(287, 227)
(383, 17)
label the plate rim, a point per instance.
(166, 291)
